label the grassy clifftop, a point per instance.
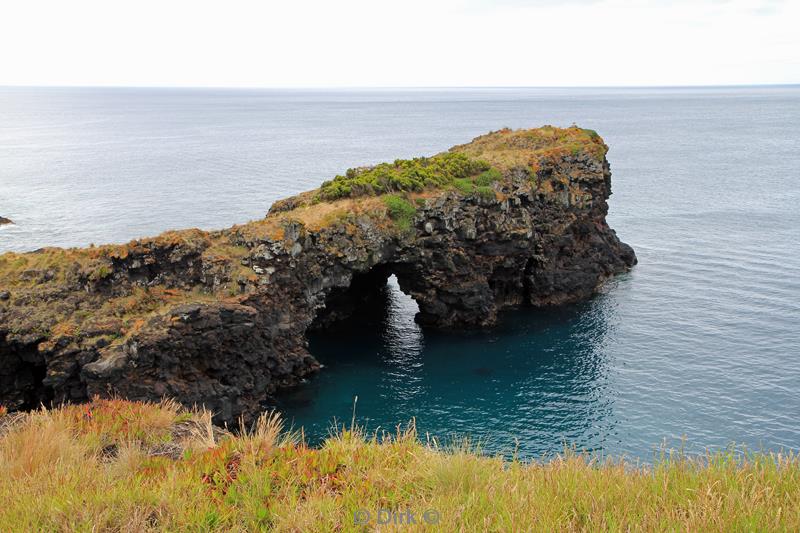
(470, 169)
(483, 160)
(120, 466)
(506, 149)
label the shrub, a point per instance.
(402, 175)
(400, 210)
(592, 134)
(487, 177)
(465, 186)
(485, 191)
(481, 186)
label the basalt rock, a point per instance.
(219, 318)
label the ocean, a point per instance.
(698, 347)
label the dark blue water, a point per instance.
(701, 340)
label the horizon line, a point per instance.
(397, 87)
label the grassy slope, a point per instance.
(116, 465)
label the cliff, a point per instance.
(219, 318)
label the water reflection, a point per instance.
(538, 380)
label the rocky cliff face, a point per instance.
(219, 318)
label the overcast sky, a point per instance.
(360, 43)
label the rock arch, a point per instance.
(220, 318)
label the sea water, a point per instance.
(699, 346)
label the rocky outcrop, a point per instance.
(4, 220)
(219, 318)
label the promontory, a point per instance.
(218, 318)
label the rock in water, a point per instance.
(219, 318)
(4, 220)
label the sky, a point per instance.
(399, 43)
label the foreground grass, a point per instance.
(123, 466)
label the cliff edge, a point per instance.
(219, 318)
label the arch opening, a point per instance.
(373, 298)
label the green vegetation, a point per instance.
(488, 177)
(114, 465)
(470, 168)
(464, 186)
(592, 134)
(402, 175)
(400, 210)
(479, 185)
(485, 192)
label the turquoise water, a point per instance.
(701, 340)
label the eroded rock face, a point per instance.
(227, 329)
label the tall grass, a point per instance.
(114, 465)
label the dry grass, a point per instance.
(506, 148)
(315, 216)
(95, 262)
(103, 467)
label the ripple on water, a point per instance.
(701, 339)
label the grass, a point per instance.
(83, 295)
(400, 210)
(470, 168)
(403, 175)
(95, 263)
(488, 177)
(470, 187)
(531, 149)
(115, 465)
